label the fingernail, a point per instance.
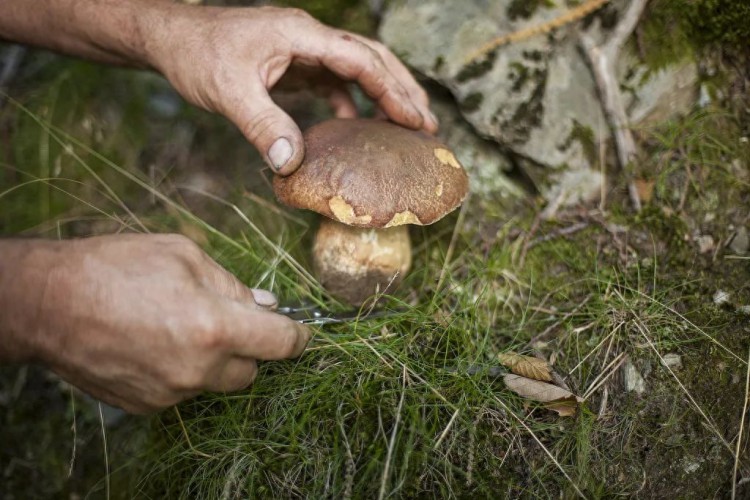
(303, 339)
(264, 298)
(280, 152)
(434, 118)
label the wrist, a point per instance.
(27, 267)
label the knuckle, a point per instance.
(298, 13)
(178, 381)
(210, 335)
(288, 342)
(260, 124)
(184, 246)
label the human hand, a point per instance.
(227, 59)
(143, 321)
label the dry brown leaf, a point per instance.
(527, 366)
(645, 189)
(564, 402)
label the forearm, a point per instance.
(25, 270)
(112, 31)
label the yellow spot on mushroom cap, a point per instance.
(345, 212)
(439, 190)
(405, 217)
(446, 157)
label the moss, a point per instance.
(471, 102)
(674, 29)
(720, 21)
(438, 64)
(584, 136)
(519, 75)
(524, 9)
(529, 113)
(477, 68)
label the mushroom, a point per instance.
(370, 178)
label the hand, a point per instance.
(227, 59)
(142, 321)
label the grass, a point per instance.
(400, 406)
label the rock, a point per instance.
(484, 160)
(673, 361)
(656, 96)
(705, 243)
(740, 243)
(536, 96)
(633, 380)
(721, 297)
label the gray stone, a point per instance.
(633, 380)
(673, 361)
(485, 160)
(740, 244)
(722, 298)
(536, 97)
(705, 243)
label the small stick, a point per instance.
(602, 61)
(567, 17)
(563, 231)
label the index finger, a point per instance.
(265, 335)
(353, 60)
(403, 75)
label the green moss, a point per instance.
(471, 102)
(584, 136)
(674, 29)
(477, 68)
(721, 21)
(529, 113)
(524, 9)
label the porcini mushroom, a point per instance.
(371, 178)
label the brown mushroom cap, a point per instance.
(372, 173)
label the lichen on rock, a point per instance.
(533, 95)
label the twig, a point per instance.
(612, 368)
(567, 17)
(563, 231)
(602, 60)
(742, 425)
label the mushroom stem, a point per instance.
(356, 263)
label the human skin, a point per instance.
(139, 321)
(225, 59)
(145, 321)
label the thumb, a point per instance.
(273, 133)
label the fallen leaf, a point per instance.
(645, 189)
(557, 399)
(527, 366)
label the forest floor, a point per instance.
(644, 315)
